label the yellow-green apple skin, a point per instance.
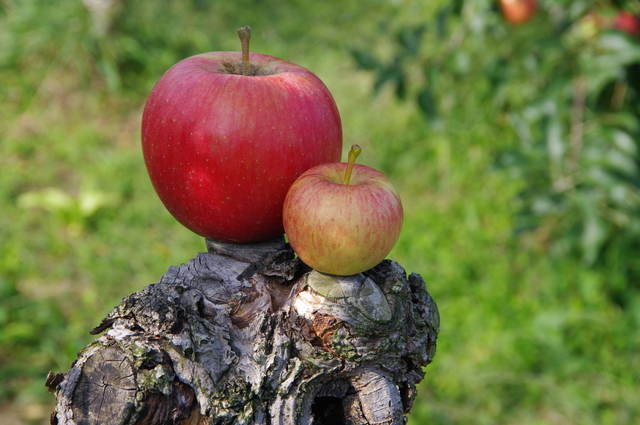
(342, 229)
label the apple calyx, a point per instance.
(353, 154)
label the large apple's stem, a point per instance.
(353, 154)
(245, 36)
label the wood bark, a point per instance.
(248, 334)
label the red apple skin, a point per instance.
(517, 12)
(342, 229)
(223, 149)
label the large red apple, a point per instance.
(342, 219)
(518, 11)
(223, 148)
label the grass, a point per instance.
(526, 338)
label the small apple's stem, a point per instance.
(245, 37)
(353, 154)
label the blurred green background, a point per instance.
(514, 148)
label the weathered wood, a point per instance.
(247, 334)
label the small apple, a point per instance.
(518, 11)
(627, 22)
(225, 134)
(342, 218)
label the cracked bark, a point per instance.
(247, 334)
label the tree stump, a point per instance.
(248, 334)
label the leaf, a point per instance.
(616, 51)
(625, 143)
(410, 37)
(599, 176)
(364, 60)
(401, 87)
(51, 199)
(555, 145)
(427, 103)
(441, 21)
(626, 121)
(90, 201)
(523, 130)
(621, 163)
(621, 46)
(381, 78)
(461, 62)
(55, 200)
(544, 205)
(595, 230)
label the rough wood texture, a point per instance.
(250, 335)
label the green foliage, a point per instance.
(531, 333)
(568, 88)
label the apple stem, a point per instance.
(353, 154)
(245, 36)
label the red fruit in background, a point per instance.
(518, 11)
(222, 149)
(628, 23)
